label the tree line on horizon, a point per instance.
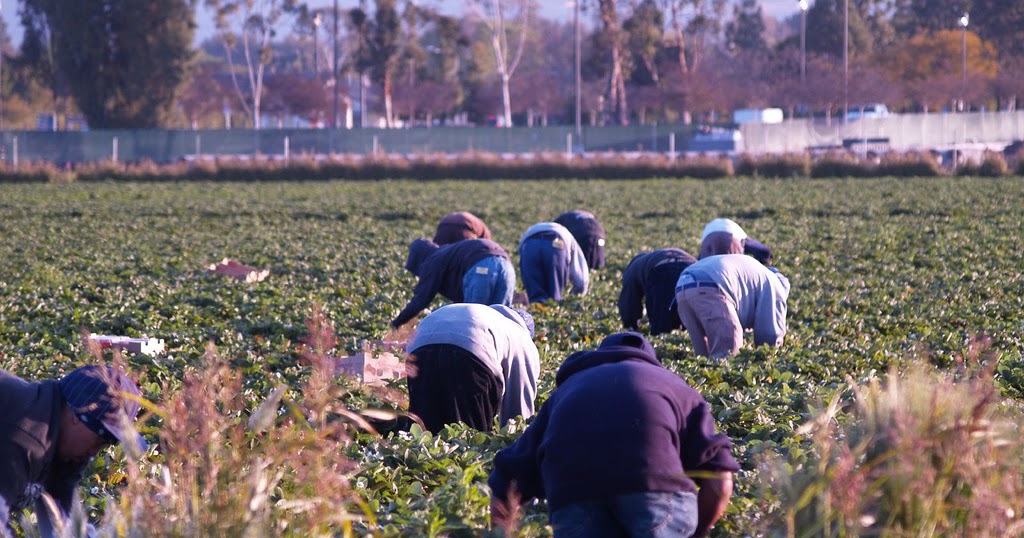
(125, 64)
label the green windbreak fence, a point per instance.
(164, 146)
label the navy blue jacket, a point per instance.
(652, 275)
(441, 270)
(588, 232)
(617, 423)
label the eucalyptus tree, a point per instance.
(505, 20)
(250, 25)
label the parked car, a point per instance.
(870, 110)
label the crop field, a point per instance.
(882, 270)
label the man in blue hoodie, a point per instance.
(589, 233)
(650, 280)
(622, 447)
(467, 271)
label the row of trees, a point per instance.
(128, 64)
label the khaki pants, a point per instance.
(709, 315)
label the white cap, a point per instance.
(723, 225)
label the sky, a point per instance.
(551, 9)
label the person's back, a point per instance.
(28, 438)
(649, 280)
(611, 448)
(588, 232)
(719, 296)
(472, 270)
(550, 259)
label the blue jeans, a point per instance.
(634, 515)
(491, 281)
(544, 267)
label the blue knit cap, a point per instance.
(419, 251)
(96, 395)
(527, 318)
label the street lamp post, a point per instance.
(317, 20)
(334, 120)
(803, 41)
(579, 76)
(846, 59)
(964, 21)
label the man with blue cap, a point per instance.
(622, 447)
(470, 363)
(50, 430)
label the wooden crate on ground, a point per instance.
(145, 346)
(238, 271)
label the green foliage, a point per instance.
(881, 267)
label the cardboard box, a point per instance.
(145, 346)
(238, 271)
(377, 362)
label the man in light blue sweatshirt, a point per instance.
(473, 362)
(549, 259)
(720, 296)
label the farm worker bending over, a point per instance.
(622, 447)
(723, 236)
(458, 226)
(719, 296)
(472, 363)
(50, 430)
(589, 234)
(550, 258)
(469, 271)
(651, 279)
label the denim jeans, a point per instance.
(633, 515)
(544, 267)
(491, 281)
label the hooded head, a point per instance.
(616, 347)
(758, 250)
(518, 315)
(419, 251)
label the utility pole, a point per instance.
(334, 120)
(579, 75)
(846, 59)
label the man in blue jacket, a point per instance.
(467, 271)
(472, 363)
(50, 430)
(650, 279)
(622, 447)
(589, 233)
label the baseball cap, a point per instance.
(723, 225)
(96, 394)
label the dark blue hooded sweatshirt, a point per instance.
(441, 270)
(617, 423)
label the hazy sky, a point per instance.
(552, 9)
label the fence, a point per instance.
(172, 145)
(902, 132)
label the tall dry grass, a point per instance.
(223, 469)
(923, 453)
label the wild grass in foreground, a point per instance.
(922, 452)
